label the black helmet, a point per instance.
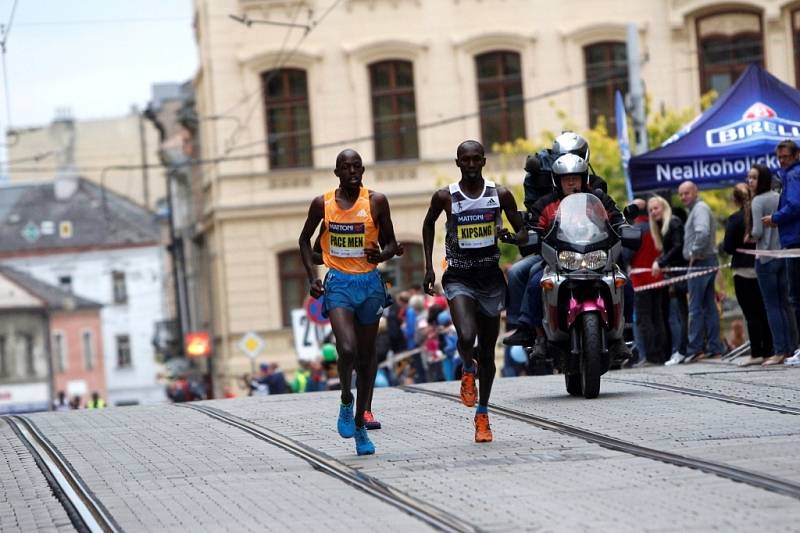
(570, 164)
(570, 142)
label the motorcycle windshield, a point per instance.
(582, 220)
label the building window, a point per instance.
(606, 72)
(118, 287)
(59, 352)
(65, 283)
(123, 351)
(500, 101)
(87, 347)
(294, 285)
(288, 123)
(4, 370)
(727, 43)
(25, 343)
(796, 40)
(394, 111)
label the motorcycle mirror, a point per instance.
(631, 211)
(631, 237)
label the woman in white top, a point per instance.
(771, 271)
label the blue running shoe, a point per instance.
(346, 423)
(364, 446)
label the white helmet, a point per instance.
(570, 142)
(570, 164)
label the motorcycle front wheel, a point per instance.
(591, 357)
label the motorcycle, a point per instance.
(582, 291)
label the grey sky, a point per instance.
(95, 57)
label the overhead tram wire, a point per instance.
(35, 158)
(494, 108)
(497, 108)
(312, 25)
(279, 64)
(240, 126)
(103, 21)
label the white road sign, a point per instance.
(307, 336)
(252, 344)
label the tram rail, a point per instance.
(754, 479)
(785, 409)
(85, 511)
(433, 516)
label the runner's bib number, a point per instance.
(475, 230)
(347, 240)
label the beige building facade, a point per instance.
(403, 82)
(36, 152)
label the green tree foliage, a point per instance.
(605, 156)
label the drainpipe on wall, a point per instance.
(174, 247)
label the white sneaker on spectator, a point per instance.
(675, 359)
(794, 360)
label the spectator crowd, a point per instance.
(676, 271)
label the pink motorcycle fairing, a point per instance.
(577, 308)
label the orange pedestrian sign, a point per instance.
(198, 344)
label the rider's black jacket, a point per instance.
(538, 181)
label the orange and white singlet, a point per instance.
(347, 233)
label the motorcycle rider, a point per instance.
(570, 175)
(539, 182)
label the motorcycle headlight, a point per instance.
(596, 259)
(570, 260)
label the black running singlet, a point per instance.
(471, 238)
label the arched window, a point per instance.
(796, 41)
(500, 101)
(727, 43)
(394, 111)
(288, 123)
(606, 72)
(293, 283)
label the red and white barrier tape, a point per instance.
(678, 279)
(789, 252)
(702, 271)
(666, 269)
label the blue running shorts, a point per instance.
(364, 294)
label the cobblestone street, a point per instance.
(171, 468)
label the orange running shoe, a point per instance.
(469, 392)
(370, 422)
(483, 431)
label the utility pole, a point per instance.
(636, 88)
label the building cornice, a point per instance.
(375, 49)
(259, 59)
(679, 14)
(480, 41)
(592, 33)
(297, 207)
